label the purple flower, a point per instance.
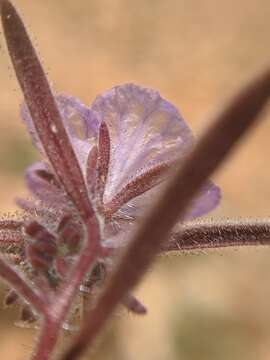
(126, 143)
(104, 166)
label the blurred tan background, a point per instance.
(202, 306)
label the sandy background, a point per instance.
(210, 306)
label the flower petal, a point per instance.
(45, 190)
(206, 201)
(80, 123)
(26, 117)
(145, 131)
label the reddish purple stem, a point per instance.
(219, 234)
(228, 127)
(58, 309)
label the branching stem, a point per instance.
(60, 305)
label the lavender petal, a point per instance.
(80, 123)
(145, 131)
(47, 192)
(206, 201)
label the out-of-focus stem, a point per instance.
(228, 127)
(48, 338)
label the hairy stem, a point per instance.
(80, 269)
(228, 127)
(219, 234)
(59, 307)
